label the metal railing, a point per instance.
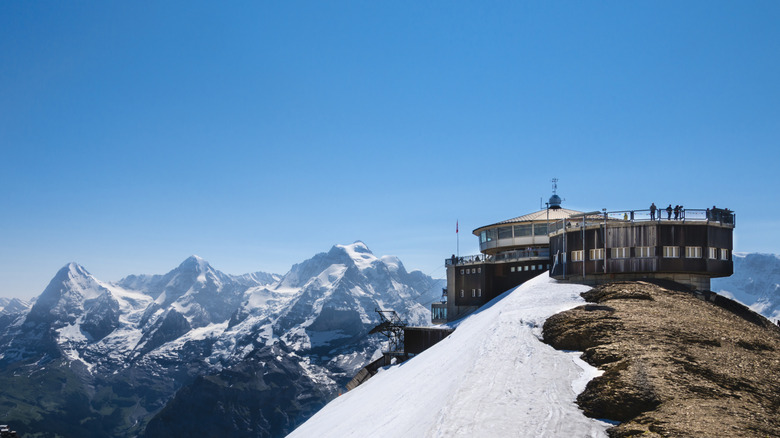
(720, 215)
(716, 215)
(507, 256)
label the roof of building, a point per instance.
(541, 215)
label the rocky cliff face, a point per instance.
(675, 363)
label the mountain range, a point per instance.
(755, 283)
(197, 350)
(200, 352)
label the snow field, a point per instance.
(493, 377)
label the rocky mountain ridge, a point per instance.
(675, 363)
(124, 349)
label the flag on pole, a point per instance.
(456, 227)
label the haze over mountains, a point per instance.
(113, 355)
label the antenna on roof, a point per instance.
(555, 200)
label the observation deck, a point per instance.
(690, 246)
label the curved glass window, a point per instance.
(522, 230)
(491, 235)
(505, 233)
(483, 237)
(540, 229)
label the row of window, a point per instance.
(524, 230)
(475, 293)
(471, 271)
(512, 269)
(691, 252)
(528, 267)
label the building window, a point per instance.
(576, 256)
(483, 237)
(523, 230)
(479, 270)
(462, 294)
(645, 251)
(505, 233)
(713, 253)
(724, 254)
(473, 270)
(526, 268)
(540, 229)
(479, 293)
(533, 267)
(541, 267)
(461, 272)
(671, 251)
(693, 252)
(620, 253)
(596, 254)
(473, 293)
(512, 269)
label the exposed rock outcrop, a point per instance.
(675, 363)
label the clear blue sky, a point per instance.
(257, 134)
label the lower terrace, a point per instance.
(507, 256)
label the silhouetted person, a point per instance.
(653, 208)
(669, 212)
(676, 212)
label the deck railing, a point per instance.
(500, 257)
(717, 215)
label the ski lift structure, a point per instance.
(403, 342)
(392, 326)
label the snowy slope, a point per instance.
(755, 283)
(493, 377)
(13, 305)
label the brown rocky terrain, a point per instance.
(676, 363)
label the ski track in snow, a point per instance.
(492, 378)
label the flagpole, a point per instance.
(457, 238)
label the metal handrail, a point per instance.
(500, 257)
(716, 215)
(724, 216)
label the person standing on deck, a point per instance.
(653, 208)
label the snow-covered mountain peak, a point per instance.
(358, 253)
(155, 333)
(71, 272)
(393, 263)
(65, 295)
(195, 263)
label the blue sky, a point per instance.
(257, 134)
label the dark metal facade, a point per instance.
(645, 247)
(478, 283)
(419, 339)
